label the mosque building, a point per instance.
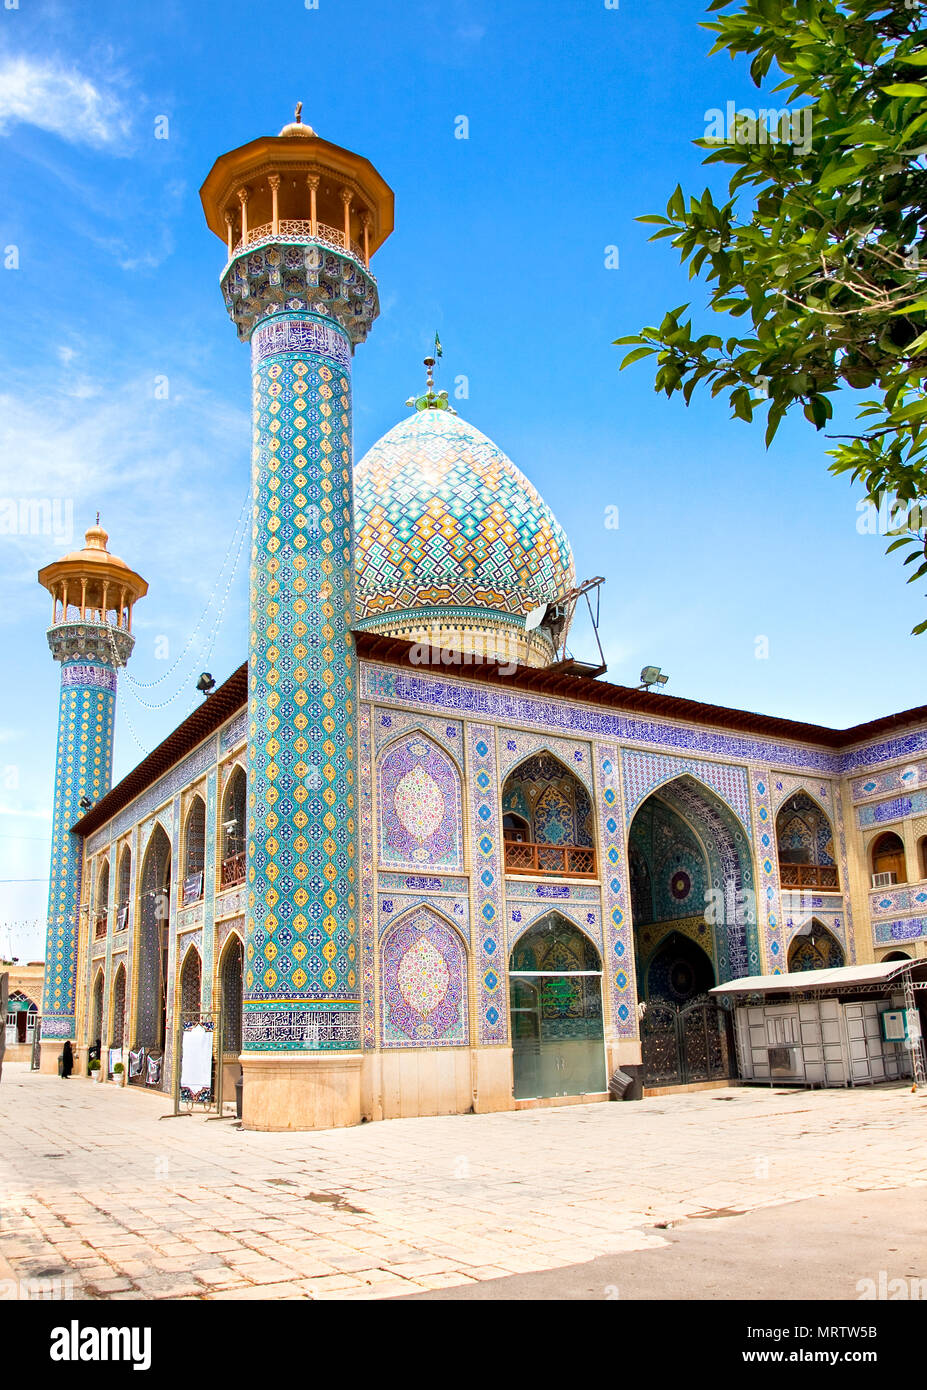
(411, 858)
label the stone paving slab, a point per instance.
(135, 1206)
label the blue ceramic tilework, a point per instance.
(485, 858)
(302, 982)
(392, 906)
(423, 970)
(619, 956)
(878, 812)
(83, 768)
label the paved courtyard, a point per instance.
(98, 1189)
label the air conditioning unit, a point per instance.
(884, 880)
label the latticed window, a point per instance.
(119, 1008)
(194, 852)
(102, 901)
(123, 889)
(232, 996)
(233, 830)
(190, 986)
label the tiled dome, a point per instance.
(446, 525)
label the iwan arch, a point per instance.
(425, 888)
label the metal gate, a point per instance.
(683, 1045)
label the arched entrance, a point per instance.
(694, 916)
(555, 997)
(679, 971)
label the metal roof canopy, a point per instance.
(847, 977)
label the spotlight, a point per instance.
(652, 675)
(206, 683)
(85, 803)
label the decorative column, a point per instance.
(303, 308)
(274, 182)
(90, 654)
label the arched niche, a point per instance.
(233, 829)
(420, 811)
(154, 916)
(423, 979)
(815, 948)
(805, 845)
(547, 820)
(194, 851)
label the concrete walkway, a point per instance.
(100, 1191)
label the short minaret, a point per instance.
(93, 593)
(300, 219)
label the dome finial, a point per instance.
(432, 400)
(296, 126)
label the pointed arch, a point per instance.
(194, 850)
(814, 947)
(234, 818)
(555, 1002)
(423, 982)
(726, 897)
(123, 888)
(544, 794)
(151, 958)
(96, 1014)
(554, 932)
(231, 994)
(576, 914)
(805, 844)
(101, 899)
(420, 806)
(118, 1006)
(689, 775)
(191, 985)
(154, 825)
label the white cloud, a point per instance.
(60, 99)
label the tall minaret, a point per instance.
(301, 218)
(93, 593)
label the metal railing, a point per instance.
(523, 857)
(299, 227)
(99, 927)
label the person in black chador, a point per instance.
(67, 1060)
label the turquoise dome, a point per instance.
(445, 521)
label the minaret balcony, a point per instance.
(299, 229)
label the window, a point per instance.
(233, 830)
(101, 901)
(123, 889)
(781, 1029)
(547, 824)
(805, 843)
(888, 861)
(194, 852)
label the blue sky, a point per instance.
(581, 118)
